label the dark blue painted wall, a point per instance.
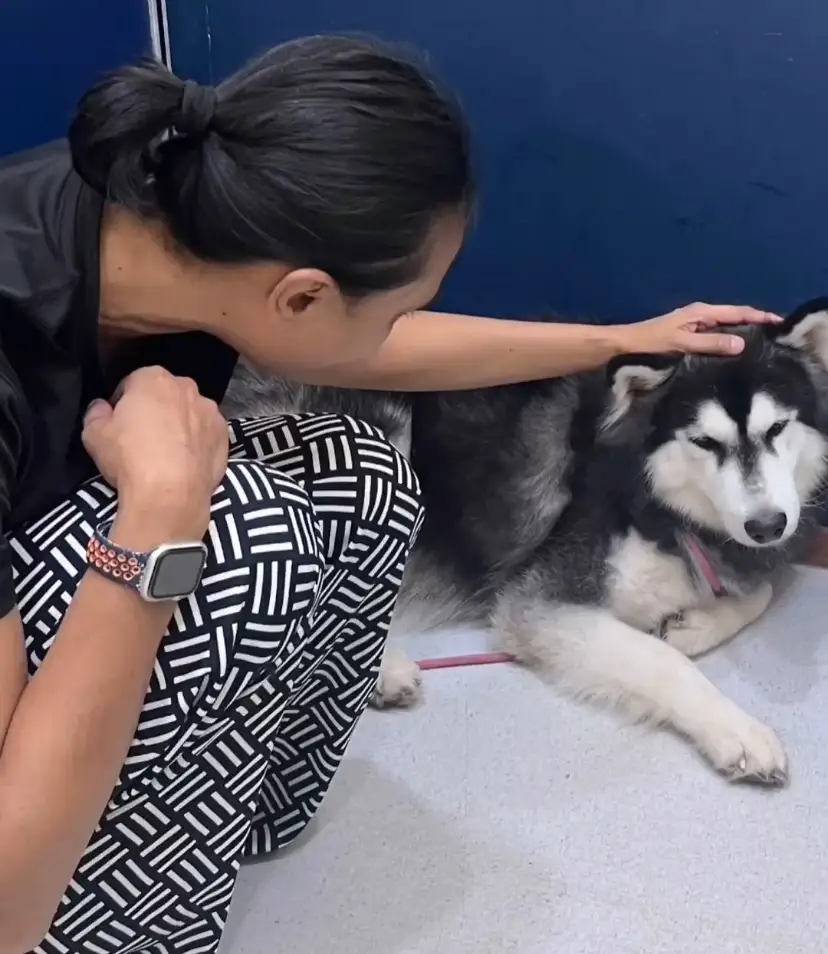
(50, 51)
(633, 155)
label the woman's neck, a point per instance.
(147, 289)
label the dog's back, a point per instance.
(493, 465)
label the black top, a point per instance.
(49, 366)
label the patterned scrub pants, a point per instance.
(258, 684)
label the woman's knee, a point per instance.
(359, 484)
(265, 556)
(366, 479)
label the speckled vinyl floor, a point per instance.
(499, 818)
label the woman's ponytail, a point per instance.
(117, 127)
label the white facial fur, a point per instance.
(719, 493)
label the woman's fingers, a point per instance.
(98, 410)
(708, 316)
(706, 343)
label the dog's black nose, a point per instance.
(766, 527)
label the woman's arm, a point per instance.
(164, 448)
(69, 731)
(429, 351)
(12, 670)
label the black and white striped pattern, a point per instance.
(258, 685)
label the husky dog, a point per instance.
(610, 525)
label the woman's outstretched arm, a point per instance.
(429, 351)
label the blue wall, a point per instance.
(634, 154)
(50, 51)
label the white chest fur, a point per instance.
(644, 584)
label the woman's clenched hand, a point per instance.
(162, 446)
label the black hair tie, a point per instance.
(197, 109)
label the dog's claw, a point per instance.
(777, 778)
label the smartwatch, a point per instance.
(168, 572)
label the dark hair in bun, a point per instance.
(329, 152)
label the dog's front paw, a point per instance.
(742, 748)
(757, 602)
(697, 631)
(400, 682)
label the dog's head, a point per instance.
(738, 444)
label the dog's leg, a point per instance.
(697, 631)
(592, 654)
(399, 684)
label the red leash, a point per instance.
(476, 659)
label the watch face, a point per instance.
(176, 572)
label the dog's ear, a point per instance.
(633, 378)
(805, 329)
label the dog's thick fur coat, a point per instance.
(566, 514)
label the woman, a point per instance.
(200, 636)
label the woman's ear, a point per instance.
(301, 291)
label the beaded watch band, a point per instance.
(116, 563)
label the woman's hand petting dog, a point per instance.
(687, 330)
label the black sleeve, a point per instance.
(14, 425)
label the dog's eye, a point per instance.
(773, 432)
(707, 444)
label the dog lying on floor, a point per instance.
(610, 525)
